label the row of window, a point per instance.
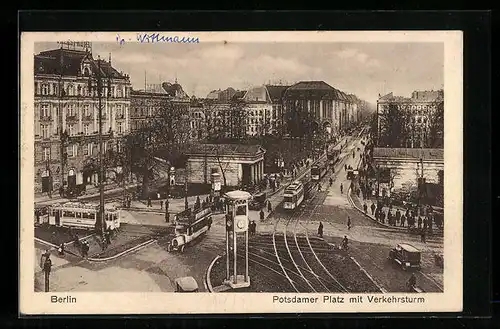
(73, 130)
(52, 89)
(72, 110)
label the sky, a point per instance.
(363, 69)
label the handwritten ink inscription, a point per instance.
(159, 38)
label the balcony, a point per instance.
(89, 117)
(45, 118)
(71, 118)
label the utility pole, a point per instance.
(99, 87)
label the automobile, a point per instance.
(186, 284)
(406, 255)
(258, 201)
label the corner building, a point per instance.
(65, 105)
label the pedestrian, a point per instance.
(61, 249)
(412, 282)
(269, 208)
(357, 192)
(47, 267)
(107, 235)
(345, 167)
(348, 222)
(345, 243)
(389, 217)
(403, 219)
(419, 222)
(261, 215)
(320, 230)
(365, 207)
(149, 202)
(341, 188)
(331, 181)
(382, 216)
(254, 227)
(398, 216)
(422, 236)
(161, 204)
(373, 208)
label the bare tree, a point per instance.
(436, 126)
(167, 134)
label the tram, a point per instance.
(318, 171)
(190, 224)
(81, 215)
(333, 155)
(294, 195)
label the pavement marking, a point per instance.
(382, 289)
(46, 243)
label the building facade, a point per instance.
(66, 115)
(329, 108)
(237, 164)
(144, 107)
(411, 122)
(403, 167)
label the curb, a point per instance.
(54, 246)
(207, 275)
(369, 276)
(395, 228)
(142, 245)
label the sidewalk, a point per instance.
(358, 204)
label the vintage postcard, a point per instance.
(241, 172)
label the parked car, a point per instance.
(406, 255)
(186, 284)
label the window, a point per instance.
(120, 92)
(44, 111)
(45, 89)
(90, 148)
(71, 90)
(46, 153)
(119, 111)
(71, 110)
(79, 90)
(86, 110)
(119, 127)
(86, 128)
(44, 129)
(37, 88)
(71, 150)
(71, 130)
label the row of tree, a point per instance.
(397, 127)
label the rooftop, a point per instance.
(225, 149)
(69, 63)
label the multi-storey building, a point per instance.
(411, 122)
(329, 108)
(144, 107)
(66, 115)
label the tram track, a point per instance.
(316, 282)
(332, 284)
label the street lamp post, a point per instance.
(99, 87)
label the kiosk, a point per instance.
(236, 222)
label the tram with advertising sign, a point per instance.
(318, 171)
(82, 215)
(293, 196)
(190, 224)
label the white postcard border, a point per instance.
(169, 303)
